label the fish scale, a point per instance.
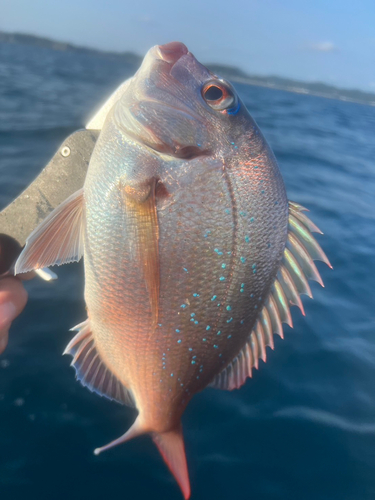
(193, 254)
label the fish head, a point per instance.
(179, 108)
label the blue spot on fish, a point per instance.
(177, 330)
(193, 362)
(229, 308)
(223, 266)
(208, 327)
(247, 239)
(229, 336)
(196, 295)
(229, 320)
(179, 341)
(184, 268)
(243, 260)
(183, 306)
(216, 346)
(218, 333)
(195, 322)
(233, 111)
(214, 297)
(222, 278)
(192, 315)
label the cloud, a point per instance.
(323, 47)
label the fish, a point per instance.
(193, 254)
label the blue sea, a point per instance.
(303, 428)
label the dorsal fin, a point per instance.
(90, 369)
(57, 240)
(291, 281)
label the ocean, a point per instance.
(303, 428)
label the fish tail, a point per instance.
(135, 430)
(171, 447)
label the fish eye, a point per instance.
(219, 96)
(213, 93)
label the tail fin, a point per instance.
(134, 431)
(172, 449)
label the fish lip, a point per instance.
(171, 52)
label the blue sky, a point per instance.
(331, 41)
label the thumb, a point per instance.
(13, 298)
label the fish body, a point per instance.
(184, 225)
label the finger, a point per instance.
(27, 276)
(3, 340)
(13, 298)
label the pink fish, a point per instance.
(192, 252)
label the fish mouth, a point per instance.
(171, 52)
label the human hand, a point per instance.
(13, 298)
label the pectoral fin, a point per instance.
(57, 240)
(142, 221)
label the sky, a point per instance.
(332, 41)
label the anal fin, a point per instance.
(90, 369)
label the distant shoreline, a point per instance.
(232, 73)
